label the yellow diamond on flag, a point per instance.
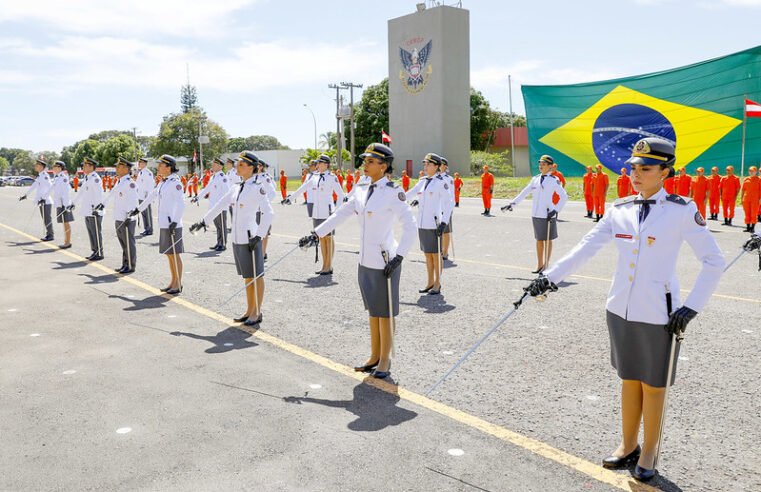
(607, 130)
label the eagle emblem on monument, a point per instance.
(415, 68)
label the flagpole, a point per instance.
(745, 119)
(512, 129)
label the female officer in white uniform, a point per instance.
(91, 196)
(62, 201)
(323, 185)
(543, 188)
(248, 198)
(643, 308)
(170, 209)
(431, 195)
(42, 186)
(125, 196)
(377, 204)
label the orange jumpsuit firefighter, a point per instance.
(349, 182)
(487, 189)
(600, 192)
(730, 187)
(75, 182)
(683, 183)
(457, 187)
(624, 184)
(669, 184)
(283, 184)
(700, 191)
(751, 193)
(714, 193)
(405, 181)
(589, 186)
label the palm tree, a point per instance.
(328, 140)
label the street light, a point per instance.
(314, 118)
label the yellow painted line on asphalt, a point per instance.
(618, 480)
(526, 269)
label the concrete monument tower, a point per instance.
(429, 87)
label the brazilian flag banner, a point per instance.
(698, 107)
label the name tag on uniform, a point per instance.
(624, 236)
(650, 240)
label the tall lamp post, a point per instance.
(314, 118)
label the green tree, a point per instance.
(188, 98)
(236, 144)
(119, 146)
(49, 156)
(311, 154)
(178, 136)
(10, 154)
(482, 121)
(371, 115)
(85, 148)
(108, 134)
(23, 163)
(329, 140)
(4, 164)
(264, 142)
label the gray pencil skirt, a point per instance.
(317, 222)
(166, 240)
(640, 351)
(448, 228)
(244, 260)
(540, 228)
(374, 288)
(67, 216)
(310, 208)
(259, 220)
(429, 241)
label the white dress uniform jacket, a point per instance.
(323, 185)
(306, 186)
(61, 189)
(364, 179)
(376, 219)
(449, 180)
(232, 179)
(145, 183)
(125, 196)
(269, 184)
(42, 187)
(432, 195)
(218, 187)
(247, 200)
(90, 194)
(171, 201)
(647, 257)
(542, 191)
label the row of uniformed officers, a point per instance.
(644, 309)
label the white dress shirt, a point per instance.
(432, 194)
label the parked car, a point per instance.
(24, 181)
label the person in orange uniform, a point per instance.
(283, 184)
(589, 186)
(340, 177)
(669, 184)
(600, 192)
(700, 190)
(349, 182)
(558, 174)
(184, 181)
(193, 185)
(458, 183)
(487, 189)
(405, 181)
(751, 193)
(730, 187)
(75, 182)
(683, 183)
(624, 184)
(714, 193)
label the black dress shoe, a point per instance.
(120, 270)
(366, 368)
(643, 474)
(149, 232)
(215, 247)
(265, 257)
(128, 270)
(423, 291)
(165, 289)
(220, 248)
(615, 462)
(329, 272)
(64, 246)
(96, 258)
(174, 292)
(381, 374)
(46, 239)
(434, 292)
(253, 322)
(538, 270)
(241, 319)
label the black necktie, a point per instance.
(370, 193)
(644, 208)
(427, 183)
(541, 180)
(240, 190)
(322, 176)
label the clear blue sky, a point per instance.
(71, 68)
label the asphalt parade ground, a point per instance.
(108, 384)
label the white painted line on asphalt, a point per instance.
(315, 386)
(34, 335)
(123, 430)
(227, 285)
(278, 300)
(747, 331)
(172, 316)
(683, 357)
(593, 397)
(456, 452)
(69, 372)
(447, 352)
(543, 327)
(12, 310)
(228, 344)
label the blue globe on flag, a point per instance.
(619, 127)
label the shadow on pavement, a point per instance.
(208, 254)
(100, 279)
(25, 243)
(434, 304)
(312, 282)
(151, 302)
(66, 266)
(375, 409)
(226, 340)
(38, 251)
